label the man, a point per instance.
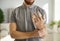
(25, 24)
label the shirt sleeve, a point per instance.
(13, 18)
(43, 13)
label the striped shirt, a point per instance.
(22, 16)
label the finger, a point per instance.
(34, 18)
(40, 16)
(37, 17)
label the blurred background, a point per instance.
(51, 7)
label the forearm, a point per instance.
(21, 35)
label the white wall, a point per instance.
(5, 4)
(57, 10)
(15, 3)
(51, 10)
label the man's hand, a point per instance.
(38, 33)
(35, 33)
(42, 33)
(38, 21)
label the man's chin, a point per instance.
(29, 3)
